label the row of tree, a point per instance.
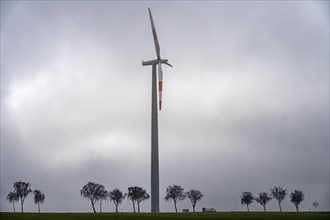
(21, 191)
(177, 193)
(96, 192)
(277, 193)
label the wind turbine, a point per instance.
(154, 116)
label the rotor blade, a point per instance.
(160, 84)
(168, 64)
(154, 35)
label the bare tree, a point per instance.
(12, 197)
(279, 194)
(194, 196)
(263, 199)
(117, 197)
(132, 196)
(102, 195)
(22, 189)
(137, 194)
(296, 198)
(315, 204)
(142, 195)
(176, 193)
(246, 198)
(92, 192)
(39, 197)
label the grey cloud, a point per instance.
(246, 106)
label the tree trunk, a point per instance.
(297, 208)
(14, 206)
(280, 206)
(134, 207)
(22, 205)
(101, 206)
(265, 208)
(176, 210)
(116, 207)
(138, 207)
(93, 207)
(247, 206)
(39, 207)
(193, 208)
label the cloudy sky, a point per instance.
(245, 106)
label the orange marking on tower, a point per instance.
(160, 86)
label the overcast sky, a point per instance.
(245, 106)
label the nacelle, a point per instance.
(152, 62)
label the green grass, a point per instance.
(169, 216)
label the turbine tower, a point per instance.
(154, 117)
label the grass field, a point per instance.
(169, 216)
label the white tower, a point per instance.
(154, 118)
